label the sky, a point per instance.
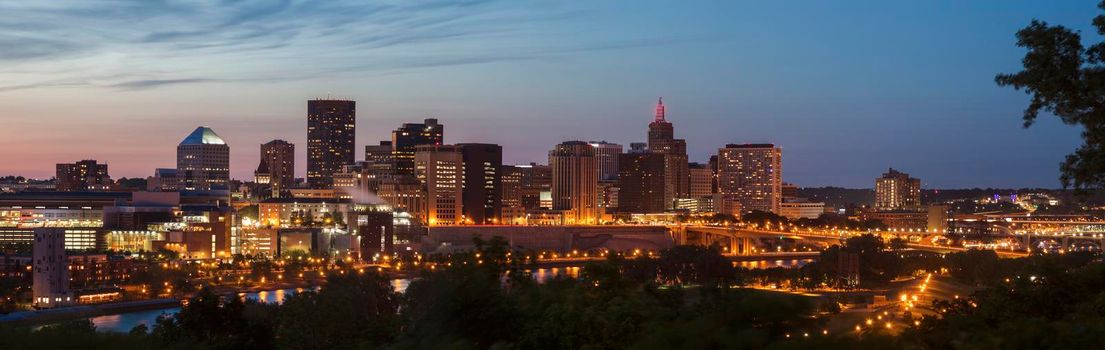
(847, 89)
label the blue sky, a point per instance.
(847, 89)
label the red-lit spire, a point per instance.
(660, 110)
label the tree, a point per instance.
(1067, 80)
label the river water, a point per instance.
(124, 322)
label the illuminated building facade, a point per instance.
(331, 136)
(511, 180)
(85, 175)
(575, 182)
(896, 190)
(701, 180)
(406, 138)
(278, 158)
(606, 159)
(302, 212)
(752, 173)
(203, 161)
(440, 170)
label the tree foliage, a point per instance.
(1066, 79)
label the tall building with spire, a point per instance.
(203, 161)
(661, 139)
(331, 130)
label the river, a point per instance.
(125, 321)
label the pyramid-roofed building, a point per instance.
(203, 136)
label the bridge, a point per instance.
(743, 241)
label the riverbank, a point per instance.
(37, 317)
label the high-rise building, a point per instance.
(440, 169)
(752, 173)
(278, 157)
(897, 190)
(606, 159)
(701, 182)
(511, 180)
(575, 182)
(483, 191)
(641, 182)
(85, 175)
(661, 139)
(203, 161)
(51, 269)
(410, 135)
(331, 136)
(535, 180)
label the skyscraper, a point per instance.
(753, 174)
(203, 161)
(641, 182)
(83, 175)
(440, 169)
(661, 139)
(407, 137)
(331, 136)
(897, 190)
(606, 159)
(575, 182)
(483, 191)
(278, 157)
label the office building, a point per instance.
(752, 173)
(575, 182)
(606, 159)
(511, 181)
(701, 181)
(535, 179)
(641, 182)
(406, 138)
(278, 158)
(85, 175)
(795, 210)
(203, 161)
(896, 190)
(331, 136)
(483, 190)
(440, 170)
(661, 139)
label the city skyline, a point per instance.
(131, 113)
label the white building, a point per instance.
(51, 269)
(801, 210)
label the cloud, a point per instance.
(16, 48)
(152, 83)
(139, 44)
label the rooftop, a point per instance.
(203, 136)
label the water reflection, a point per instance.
(767, 264)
